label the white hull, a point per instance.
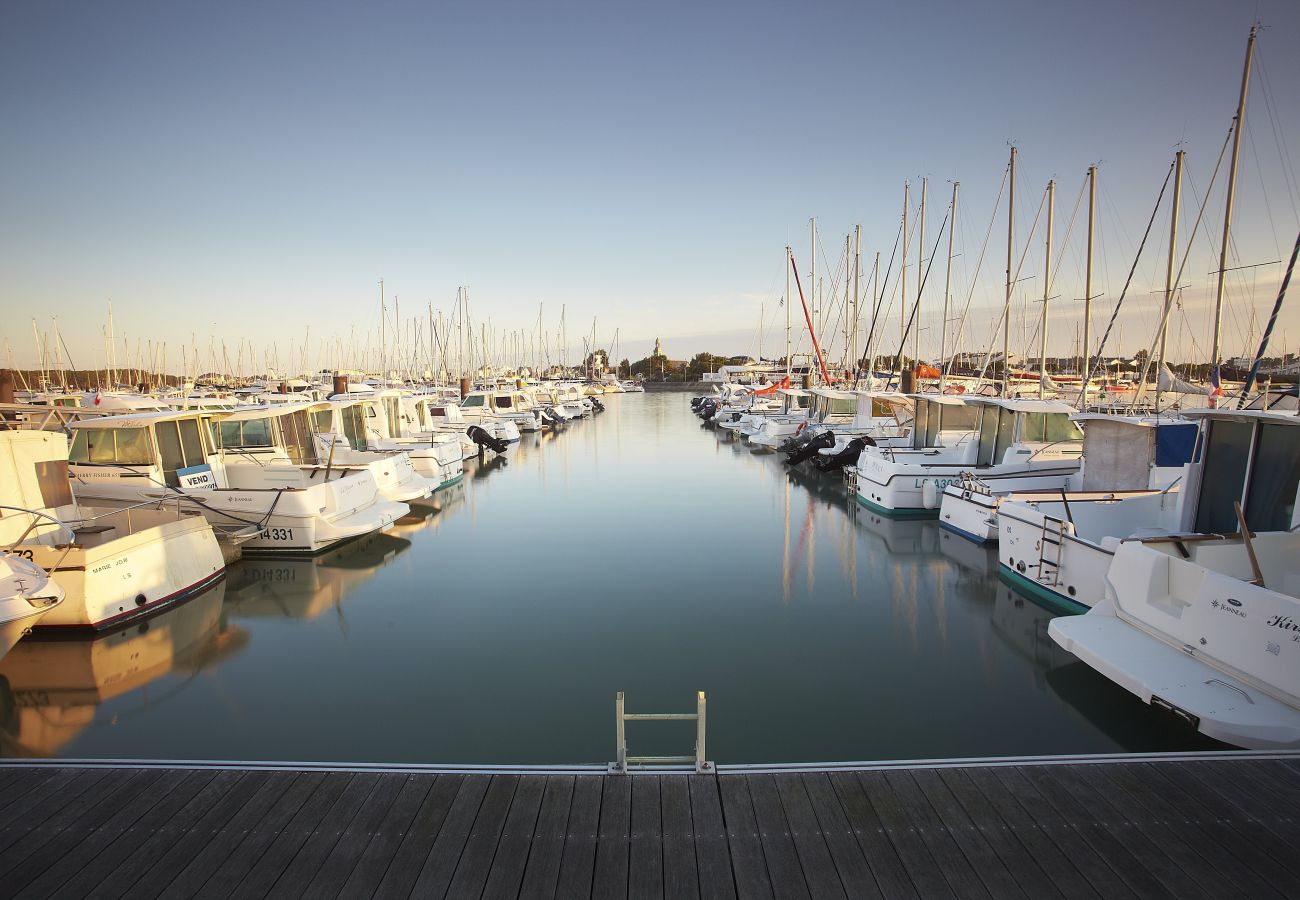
(27, 594)
(901, 487)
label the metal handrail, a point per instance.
(621, 717)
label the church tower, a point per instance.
(658, 349)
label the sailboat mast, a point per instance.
(857, 293)
(947, 294)
(812, 272)
(789, 261)
(902, 281)
(1169, 270)
(1006, 312)
(1085, 354)
(1047, 289)
(920, 276)
(1238, 123)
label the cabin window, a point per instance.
(502, 402)
(1274, 477)
(298, 440)
(1050, 427)
(173, 449)
(988, 436)
(110, 446)
(920, 423)
(322, 421)
(437, 410)
(1226, 453)
(472, 400)
(392, 409)
(52, 479)
(419, 415)
(354, 427)
(843, 406)
(248, 434)
(803, 402)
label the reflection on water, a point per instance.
(634, 552)
(51, 690)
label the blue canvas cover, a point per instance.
(1176, 443)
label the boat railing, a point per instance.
(621, 717)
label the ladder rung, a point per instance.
(643, 760)
(659, 717)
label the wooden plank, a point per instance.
(440, 865)
(779, 852)
(57, 860)
(922, 869)
(80, 816)
(680, 869)
(610, 878)
(288, 875)
(748, 865)
(819, 871)
(712, 847)
(980, 788)
(413, 851)
(369, 871)
(846, 853)
(1047, 799)
(1261, 851)
(964, 856)
(877, 849)
(1215, 858)
(542, 871)
(475, 863)
(985, 838)
(1133, 836)
(18, 784)
(333, 872)
(255, 871)
(191, 859)
(578, 864)
(1249, 780)
(517, 839)
(34, 807)
(239, 846)
(92, 867)
(132, 869)
(645, 878)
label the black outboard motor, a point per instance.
(809, 450)
(696, 401)
(483, 439)
(596, 405)
(793, 443)
(846, 457)
(707, 409)
(549, 416)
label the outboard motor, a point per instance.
(846, 457)
(597, 405)
(695, 402)
(483, 439)
(707, 409)
(822, 441)
(793, 443)
(549, 416)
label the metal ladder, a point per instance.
(620, 766)
(1053, 534)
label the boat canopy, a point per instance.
(1120, 451)
(1251, 458)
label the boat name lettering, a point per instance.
(1286, 623)
(939, 483)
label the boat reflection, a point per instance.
(307, 588)
(431, 512)
(51, 689)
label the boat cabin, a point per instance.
(1251, 458)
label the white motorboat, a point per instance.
(177, 455)
(1056, 546)
(479, 407)
(1005, 443)
(360, 429)
(27, 594)
(1206, 623)
(113, 565)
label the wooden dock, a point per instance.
(1115, 827)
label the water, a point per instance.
(636, 552)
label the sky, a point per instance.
(244, 174)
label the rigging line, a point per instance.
(808, 318)
(911, 319)
(1263, 188)
(1003, 316)
(893, 292)
(961, 324)
(1279, 140)
(1272, 321)
(880, 298)
(1119, 304)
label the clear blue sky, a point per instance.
(240, 171)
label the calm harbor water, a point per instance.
(636, 552)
